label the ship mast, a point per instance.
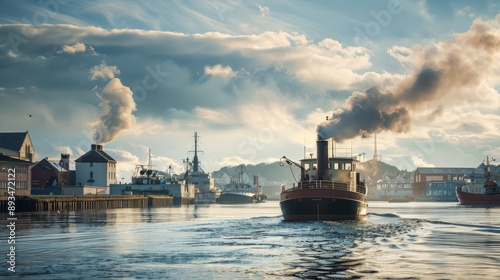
(196, 162)
(150, 163)
(195, 159)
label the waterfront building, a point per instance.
(438, 183)
(16, 152)
(95, 168)
(395, 184)
(21, 178)
(47, 173)
(49, 176)
(17, 145)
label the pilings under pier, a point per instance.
(36, 203)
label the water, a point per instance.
(415, 240)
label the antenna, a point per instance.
(196, 162)
(351, 150)
(150, 164)
(304, 142)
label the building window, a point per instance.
(91, 174)
(91, 164)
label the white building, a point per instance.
(95, 168)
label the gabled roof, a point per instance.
(55, 165)
(4, 158)
(45, 163)
(12, 140)
(444, 170)
(95, 156)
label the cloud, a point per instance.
(215, 116)
(103, 71)
(465, 11)
(219, 70)
(324, 65)
(420, 162)
(263, 10)
(76, 48)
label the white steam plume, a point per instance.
(117, 105)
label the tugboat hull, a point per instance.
(321, 204)
(466, 198)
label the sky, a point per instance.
(255, 79)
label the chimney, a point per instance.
(96, 147)
(64, 162)
(322, 158)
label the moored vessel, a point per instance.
(240, 192)
(479, 189)
(146, 180)
(329, 189)
(205, 190)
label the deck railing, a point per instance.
(326, 184)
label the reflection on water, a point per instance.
(405, 241)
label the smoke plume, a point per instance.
(116, 107)
(440, 70)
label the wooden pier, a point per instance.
(35, 203)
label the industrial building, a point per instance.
(438, 183)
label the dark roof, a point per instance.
(12, 140)
(445, 170)
(95, 156)
(4, 158)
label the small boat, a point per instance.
(239, 192)
(479, 190)
(329, 189)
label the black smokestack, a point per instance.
(456, 66)
(322, 160)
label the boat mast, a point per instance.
(487, 168)
(196, 162)
(195, 159)
(150, 164)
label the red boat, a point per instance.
(329, 189)
(479, 189)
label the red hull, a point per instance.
(477, 199)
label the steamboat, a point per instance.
(328, 189)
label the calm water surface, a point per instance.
(415, 240)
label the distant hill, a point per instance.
(277, 175)
(273, 173)
(375, 169)
(372, 171)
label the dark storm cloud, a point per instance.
(166, 69)
(439, 72)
